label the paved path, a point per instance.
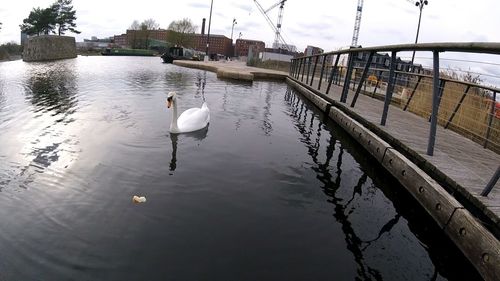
(467, 164)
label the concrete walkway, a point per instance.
(465, 166)
(235, 70)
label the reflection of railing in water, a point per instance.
(311, 136)
(354, 243)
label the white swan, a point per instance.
(190, 120)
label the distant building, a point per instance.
(219, 44)
(311, 50)
(242, 46)
(288, 47)
(24, 38)
(121, 40)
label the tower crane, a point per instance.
(277, 29)
(357, 23)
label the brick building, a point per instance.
(311, 50)
(219, 44)
(121, 40)
(242, 46)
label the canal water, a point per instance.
(271, 190)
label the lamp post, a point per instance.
(232, 28)
(420, 4)
(208, 34)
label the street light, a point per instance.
(232, 28)
(208, 34)
(420, 4)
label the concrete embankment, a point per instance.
(49, 47)
(480, 246)
(234, 70)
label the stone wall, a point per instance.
(49, 47)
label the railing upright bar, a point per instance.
(490, 119)
(303, 69)
(362, 79)
(378, 82)
(347, 80)
(457, 107)
(442, 84)
(435, 104)
(308, 70)
(291, 68)
(314, 70)
(332, 73)
(412, 93)
(390, 89)
(491, 183)
(322, 72)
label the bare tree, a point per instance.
(135, 25)
(183, 31)
(149, 24)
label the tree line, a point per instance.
(56, 19)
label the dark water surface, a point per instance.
(270, 191)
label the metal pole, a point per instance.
(314, 70)
(322, 72)
(362, 79)
(418, 30)
(208, 34)
(332, 73)
(378, 82)
(347, 80)
(390, 89)
(490, 119)
(303, 69)
(232, 29)
(308, 70)
(491, 183)
(435, 104)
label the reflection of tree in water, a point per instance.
(51, 88)
(343, 207)
(201, 81)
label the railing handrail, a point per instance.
(469, 47)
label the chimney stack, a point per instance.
(203, 27)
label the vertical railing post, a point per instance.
(490, 119)
(491, 183)
(332, 73)
(291, 68)
(457, 107)
(347, 80)
(378, 82)
(303, 68)
(435, 104)
(390, 89)
(362, 79)
(322, 72)
(308, 70)
(314, 70)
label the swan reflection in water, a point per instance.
(185, 137)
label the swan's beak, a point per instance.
(169, 103)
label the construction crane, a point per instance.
(277, 29)
(357, 24)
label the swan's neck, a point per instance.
(173, 125)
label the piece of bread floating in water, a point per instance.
(137, 199)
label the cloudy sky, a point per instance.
(324, 23)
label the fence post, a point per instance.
(308, 70)
(362, 79)
(347, 80)
(390, 89)
(322, 72)
(291, 68)
(490, 119)
(314, 70)
(435, 104)
(491, 183)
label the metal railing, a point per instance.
(305, 69)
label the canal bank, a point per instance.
(440, 184)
